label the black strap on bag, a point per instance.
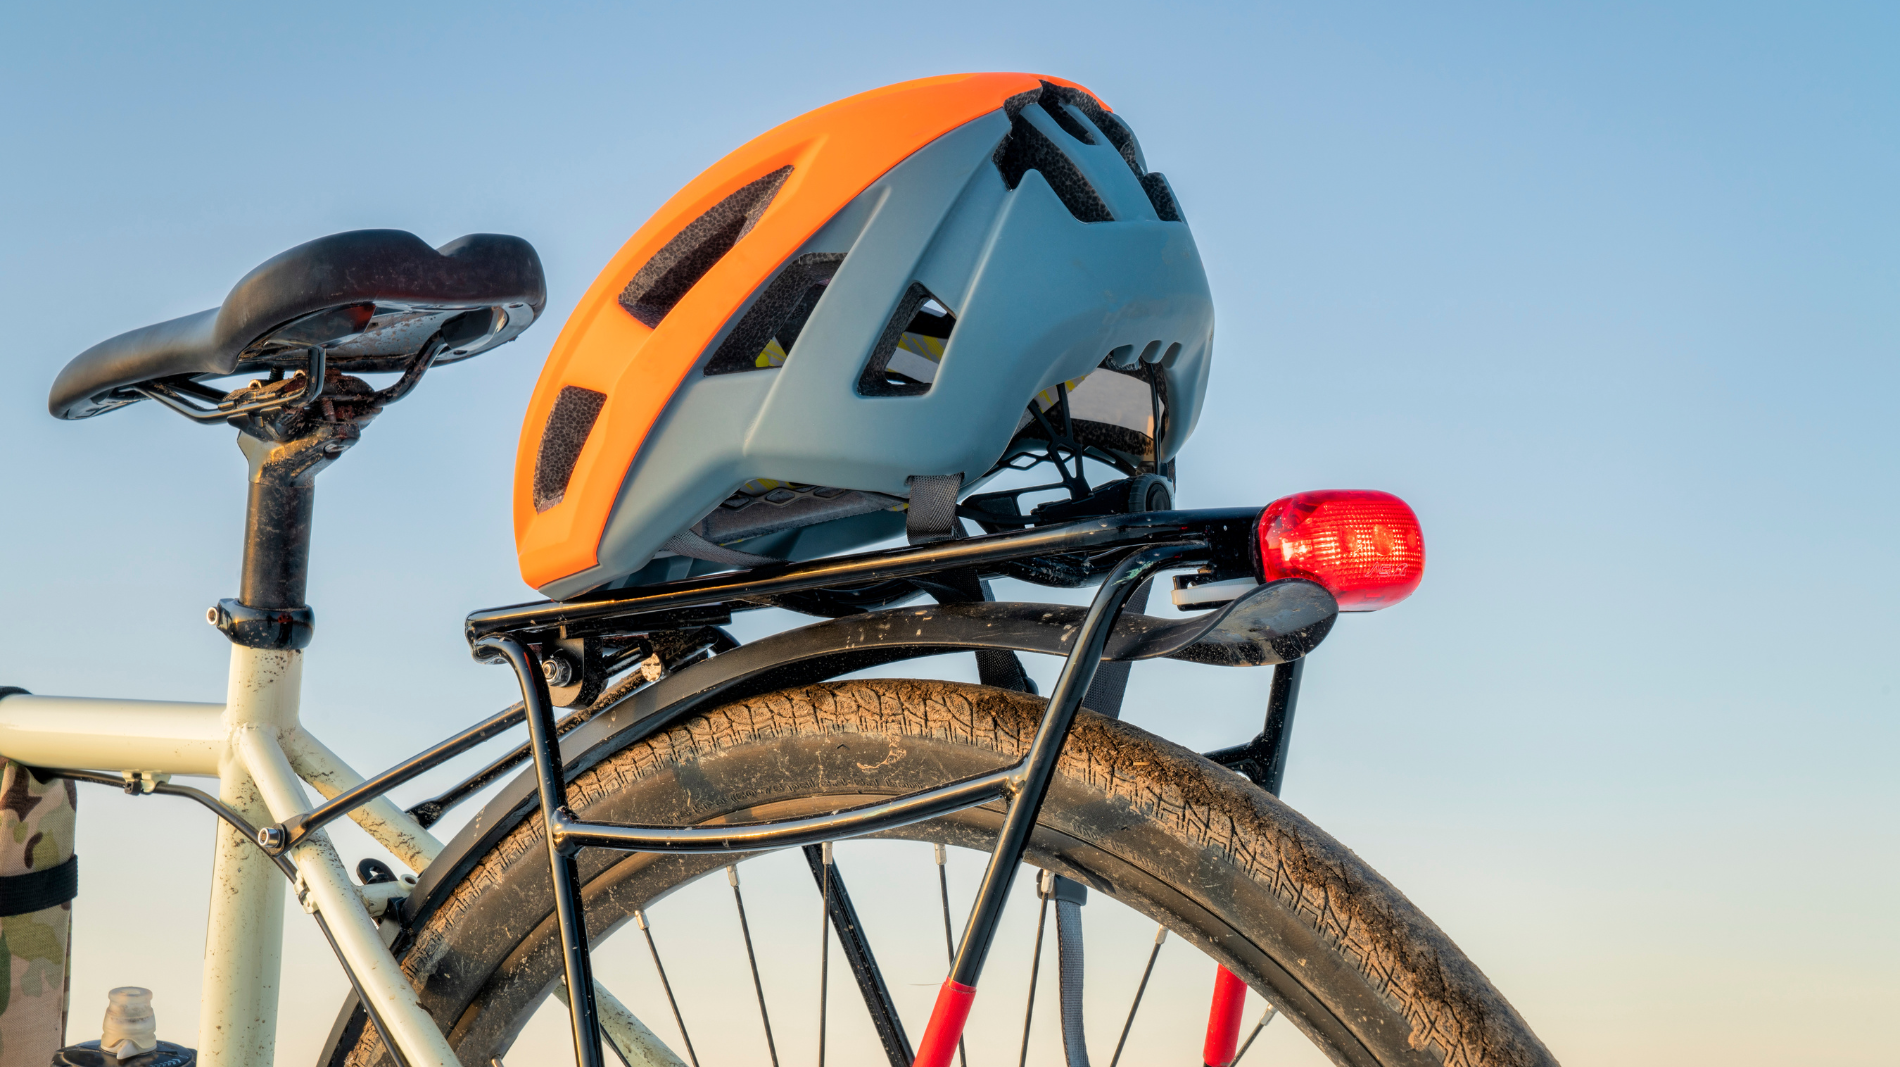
(23, 894)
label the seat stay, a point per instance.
(325, 889)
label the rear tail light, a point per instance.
(1364, 546)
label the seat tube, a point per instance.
(244, 938)
(268, 624)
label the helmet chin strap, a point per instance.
(932, 515)
(688, 543)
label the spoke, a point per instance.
(1161, 935)
(857, 952)
(745, 929)
(943, 888)
(1259, 1026)
(824, 952)
(949, 941)
(1035, 964)
(640, 916)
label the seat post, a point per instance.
(269, 611)
(276, 542)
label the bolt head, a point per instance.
(558, 669)
(271, 837)
(211, 614)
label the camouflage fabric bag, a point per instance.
(36, 835)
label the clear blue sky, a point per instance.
(1607, 292)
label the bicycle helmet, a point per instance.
(901, 285)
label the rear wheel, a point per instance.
(1243, 878)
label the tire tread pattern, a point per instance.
(1452, 1009)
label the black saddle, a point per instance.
(369, 300)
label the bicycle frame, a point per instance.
(261, 754)
(257, 747)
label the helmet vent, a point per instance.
(684, 260)
(1025, 148)
(1053, 104)
(1111, 125)
(764, 337)
(572, 419)
(905, 361)
(1053, 99)
(1119, 412)
(1167, 209)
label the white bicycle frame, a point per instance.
(260, 752)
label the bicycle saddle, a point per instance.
(370, 299)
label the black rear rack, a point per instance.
(1087, 549)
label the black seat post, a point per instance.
(277, 538)
(269, 610)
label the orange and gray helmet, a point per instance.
(886, 292)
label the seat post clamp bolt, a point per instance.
(283, 628)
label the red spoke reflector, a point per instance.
(1364, 546)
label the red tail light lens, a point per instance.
(1364, 546)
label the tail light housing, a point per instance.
(1364, 546)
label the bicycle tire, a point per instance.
(1367, 977)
